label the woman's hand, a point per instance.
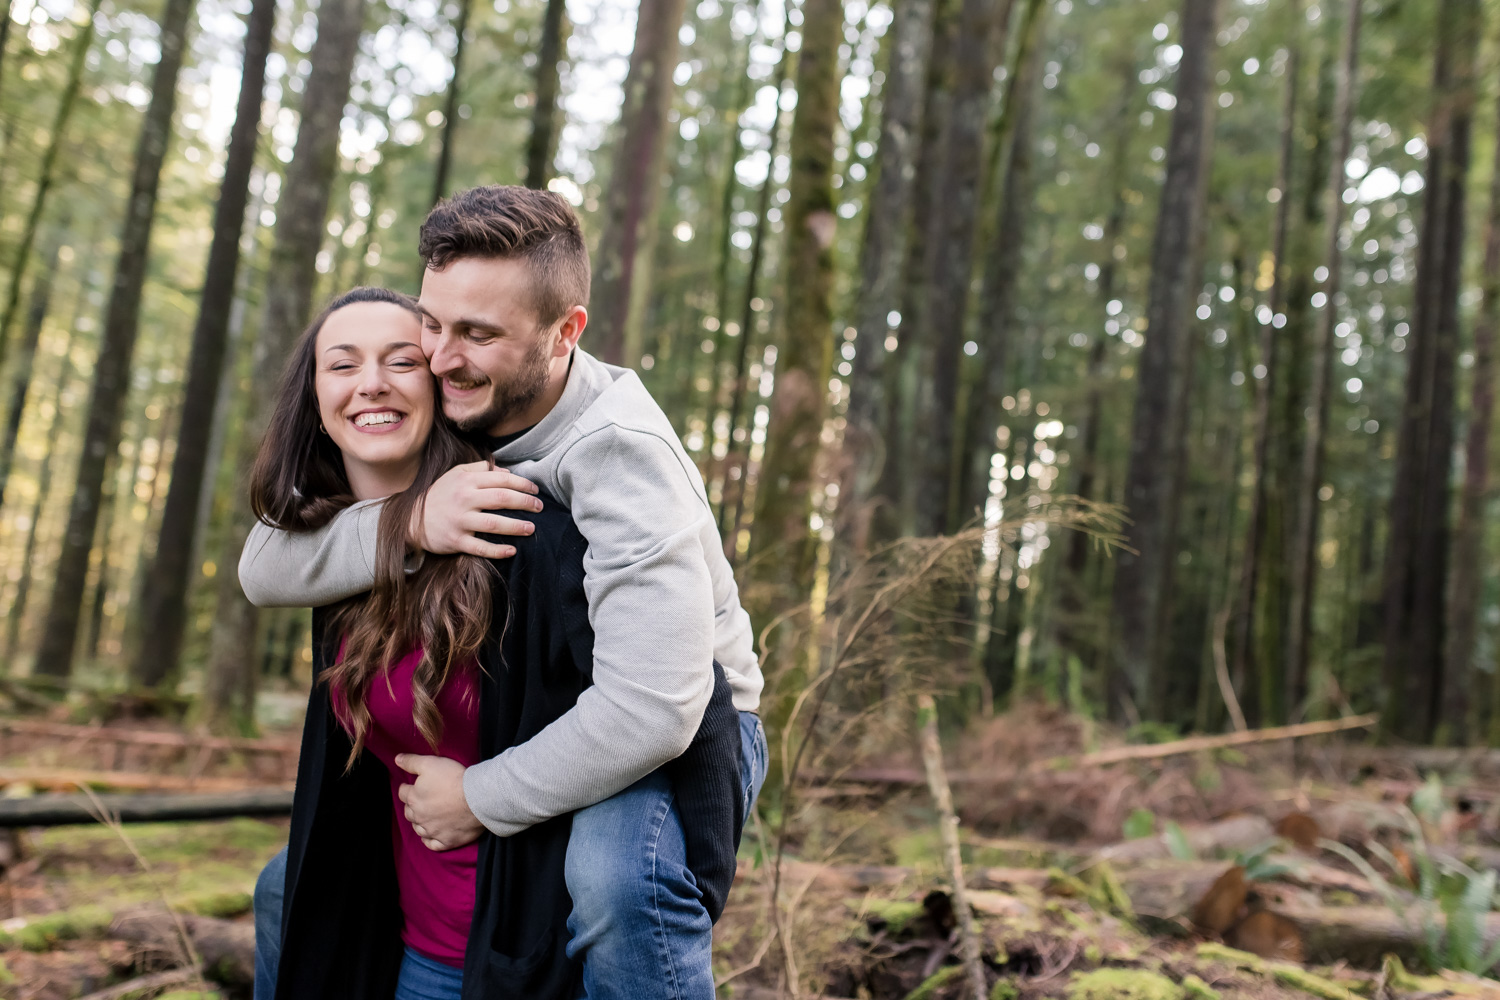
(435, 803)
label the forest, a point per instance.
(1089, 373)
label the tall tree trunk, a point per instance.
(805, 357)
(1074, 582)
(981, 33)
(31, 335)
(47, 176)
(301, 215)
(896, 490)
(1417, 554)
(450, 108)
(736, 458)
(16, 616)
(164, 606)
(1140, 571)
(881, 257)
(1003, 251)
(542, 145)
(101, 435)
(634, 183)
(1459, 708)
(725, 250)
(1303, 567)
(1243, 616)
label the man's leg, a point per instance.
(270, 888)
(638, 919)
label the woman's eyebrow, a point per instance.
(340, 347)
(396, 345)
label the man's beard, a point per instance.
(508, 397)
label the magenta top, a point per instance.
(437, 887)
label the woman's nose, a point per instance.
(373, 384)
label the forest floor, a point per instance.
(1314, 868)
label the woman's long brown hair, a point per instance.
(298, 484)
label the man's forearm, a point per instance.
(596, 749)
(308, 569)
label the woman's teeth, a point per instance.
(372, 419)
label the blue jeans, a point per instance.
(423, 978)
(638, 922)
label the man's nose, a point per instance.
(445, 356)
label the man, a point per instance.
(503, 302)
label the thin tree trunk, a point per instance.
(725, 250)
(634, 185)
(301, 215)
(1074, 583)
(1302, 568)
(1141, 570)
(164, 595)
(17, 613)
(896, 489)
(542, 145)
(101, 436)
(1459, 709)
(981, 33)
(450, 108)
(881, 258)
(729, 522)
(1003, 253)
(48, 174)
(1243, 618)
(1416, 574)
(805, 357)
(36, 317)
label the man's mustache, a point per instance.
(466, 379)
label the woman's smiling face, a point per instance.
(375, 394)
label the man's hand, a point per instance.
(453, 515)
(435, 803)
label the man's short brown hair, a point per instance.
(508, 222)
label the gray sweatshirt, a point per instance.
(662, 598)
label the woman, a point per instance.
(460, 658)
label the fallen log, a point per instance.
(51, 777)
(1237, 833)
(1198, 744)
(225, 948)
(144, 737)
(144, 985)
(67, 810)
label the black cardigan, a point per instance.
(341, 920)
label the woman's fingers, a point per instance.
(501, 479)
(482, 523)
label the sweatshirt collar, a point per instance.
(586, 378)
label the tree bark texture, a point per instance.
(805, 357)
(47, 177)
(1268, 353)
(634, 183)
(1002, 253)
(1416, 568)
(882, 255)
(1140, 570)
(450, 107)
(1459, 705)
(950, 257)
(101, 435)
(1303, 565)
(895, 489)
(301, 216)
(165, 593)
(31, 335)
(542, 145)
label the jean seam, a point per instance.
(660, 929)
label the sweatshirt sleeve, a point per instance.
(300, 569)
(651, 607)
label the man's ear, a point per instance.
(569, 330)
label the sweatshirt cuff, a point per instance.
(479, 802)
